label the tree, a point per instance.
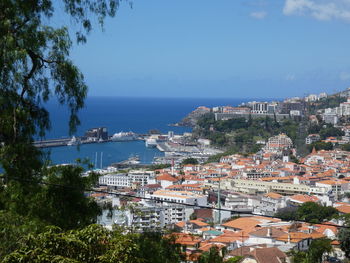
(95, 244)
(190, 161)
(315, 213)
(62, 202)
(314, 254)
(235, 259)
(308, 211)
(212, 256)
(34, 67)
(344, 236)
(320, 146)
(13, 228)
(287, 213)
(318, 248)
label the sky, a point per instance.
(226, 48)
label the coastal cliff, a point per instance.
(191, 119)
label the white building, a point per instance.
(181, 197)
(278, 143)
(336, 186)
(311, 138)
(270, 203)
(311, 97)
(259, 107)
(344, 108)
(140, 178)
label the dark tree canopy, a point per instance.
(308, 211)
(95, 244)
(35, 67)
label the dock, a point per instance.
(51, 143)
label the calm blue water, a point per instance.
(110, 152)
(136, 114)
(123, 114)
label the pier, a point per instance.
(52, 143)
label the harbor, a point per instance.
(160, 148)
(94, 135)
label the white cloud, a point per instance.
(319, 9)
(258, 14)
(344, 75)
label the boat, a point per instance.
(151, 143)
(73, 141)
(124, 137)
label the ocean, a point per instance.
(123, 114)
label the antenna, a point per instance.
(96, 160)
(101, 160)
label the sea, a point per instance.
(139, 115)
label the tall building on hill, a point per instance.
(279, 143)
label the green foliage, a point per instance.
(330, 131)
(299, 257)
(287, 213)
(344, 236)
(66, 205)
(243, 134)
(235, 259)
(294, 159)
(158, 166)
(193, 216)
(190, 161)
(153, 248)
(95, 244)
(345, 147)
(212, 256)
(317, 248)
(34, 67)
(218, 138)
(206, 121)
(313, 212)
(320, 146)
(309, 212)
(217, 157)
(231, 124)
(13, 228)
(324, 103)
(315, 252)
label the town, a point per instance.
(247, 205)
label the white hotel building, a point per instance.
(127, 180)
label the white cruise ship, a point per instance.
(124, 137)
(73, 141)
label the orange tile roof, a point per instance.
(230, 237)
(295, 237)
(242, 223)
(322, 228)
(166, 177)
(304, 198)
(273, 195)
(333, 182)
(186, 239)
(205, 247)
(345, 209)
(199, 223)
(180, 224)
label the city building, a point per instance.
(278, 143)
(96, 134)
(311, 138)
(181, 197)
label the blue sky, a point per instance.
(227, 48)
